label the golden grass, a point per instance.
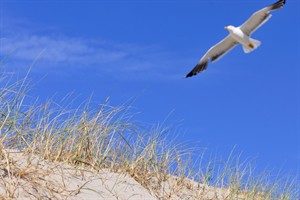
(106, 138)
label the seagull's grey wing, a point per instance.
(260, 17)
(213, 54)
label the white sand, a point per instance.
(30, 177)
(35, 178)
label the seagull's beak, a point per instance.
(226, 27)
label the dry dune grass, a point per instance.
(52, 152)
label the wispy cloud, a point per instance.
(60, 49)
(122, 60)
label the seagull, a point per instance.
(237, 35)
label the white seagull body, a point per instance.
(237, 35)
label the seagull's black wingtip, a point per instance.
(278, 4)
(197, 69)
(190, 74)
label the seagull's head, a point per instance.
(229, 28)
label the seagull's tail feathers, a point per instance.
(253, 45)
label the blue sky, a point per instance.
(140, 51)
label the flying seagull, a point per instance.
(237, 35)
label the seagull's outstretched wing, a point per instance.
(260, 17)
(213, 54)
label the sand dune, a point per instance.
(25, 176)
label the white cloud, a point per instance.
(58, 50)
(120, 60)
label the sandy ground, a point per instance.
(29, 177)
(35, 178)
